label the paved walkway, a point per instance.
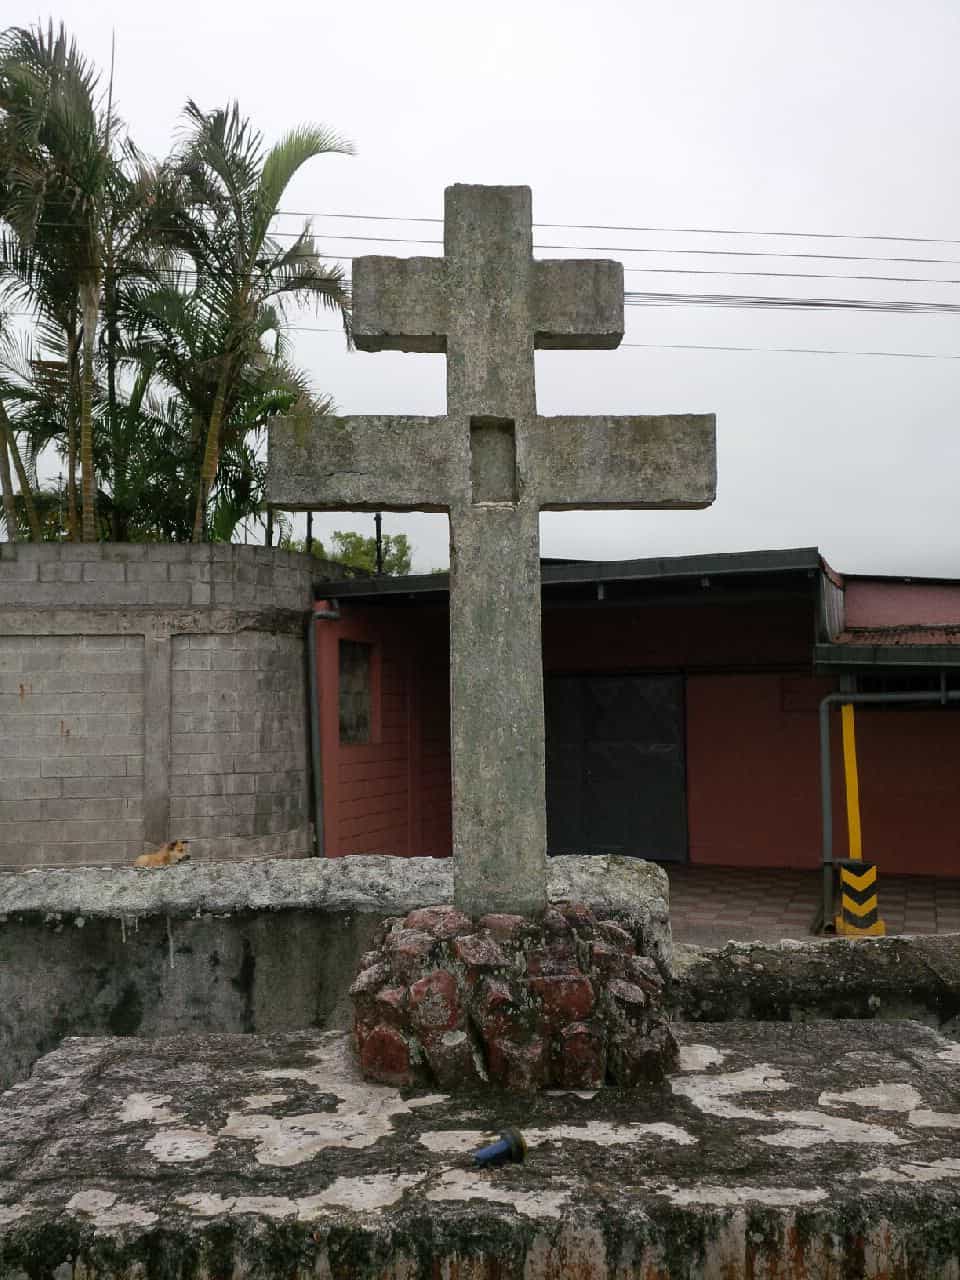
(711, 905)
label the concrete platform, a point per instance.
(778, 1150)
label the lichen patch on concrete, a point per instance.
(108, 1211)
(469, 1184)
(714, 1094)
(935, 1171)
(599, 1133)
(151, 1107)
(881, 1097)
(697, 1057)
(934, 1119)
(368, 1193)
(257, 1100)
(180, 1146)
(720, 1197)
(814, 1128)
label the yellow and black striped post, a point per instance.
(859, 910)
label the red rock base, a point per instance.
(563, 1001)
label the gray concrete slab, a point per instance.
(776, 1150)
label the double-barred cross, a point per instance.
(493, 465)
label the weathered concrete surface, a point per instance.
(150, 692)
(883, 978)
(256, 946)
(778, 1150)
(244, 971)
(385, 885)
(493, 464)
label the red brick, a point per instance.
(502, 1008)
(565, 999)
(579, 916)
(442, 921)
(629, 997)
(477, 953)
(454, 1061)
(410, 951)
(391, 1004)
(636, 1059)
(519, 1068)
(369, 980)
(643, 971)
(580, 1057)
(434, 1002)
(555, 923)
(559, 957)
(503, 927)
(385, 1057)
(615, 934)
(607, 961)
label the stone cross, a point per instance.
(493, 464)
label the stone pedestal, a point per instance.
(563, 999)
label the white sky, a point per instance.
(794, 115)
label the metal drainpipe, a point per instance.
(316, 762)
(826, 792)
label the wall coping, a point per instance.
(359, 883)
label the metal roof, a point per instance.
(797, 560)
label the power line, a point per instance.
(605, 226)
(179, 273)
(702, 346)
(745, 302)
(804, 351)
(749, 302)
(656, 250)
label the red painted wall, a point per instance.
(391, 795)
(753, 793)
(752, 746)
(870, 602)
(910, 789)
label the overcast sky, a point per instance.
(829, 116)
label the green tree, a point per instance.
(358, 552)
(57, 145)
(225, 192)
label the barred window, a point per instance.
(356, 669)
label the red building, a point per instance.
(681, 700)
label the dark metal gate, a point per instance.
(615, 766)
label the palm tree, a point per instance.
(182, 337)
(229, 193)
(31, 405)
(59, 167)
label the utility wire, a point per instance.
(701, 346)
(612, 248)
(747, 302)
(605, 226)
(178, 273)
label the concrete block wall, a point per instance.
(149, 693)
(71, 748)
(238, 739)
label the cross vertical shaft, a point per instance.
(496, 685)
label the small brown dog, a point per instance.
(169, 853)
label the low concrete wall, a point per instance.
(888, 979)
(150, 693)
(236, 947)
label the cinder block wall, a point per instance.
(149, 693)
